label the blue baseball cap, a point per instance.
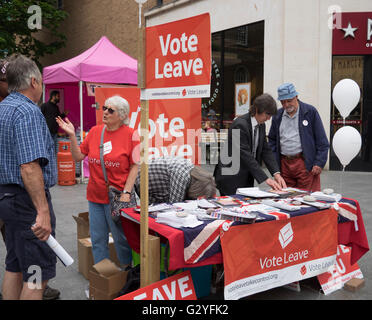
(286, 91)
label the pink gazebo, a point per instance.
(103, 63)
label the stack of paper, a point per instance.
(255, 192)
(334, 197)
(280, 205)
(170, 218)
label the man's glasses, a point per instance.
(110, 110)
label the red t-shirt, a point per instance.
(121, 149)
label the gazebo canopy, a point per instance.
(102, 63)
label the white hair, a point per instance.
(122, 107)
(19, 72)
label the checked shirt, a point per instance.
(169, 179)
(24, 137)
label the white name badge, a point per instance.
(107, 147)
(305, 123)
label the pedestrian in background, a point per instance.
(51, 111)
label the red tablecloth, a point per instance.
(166, 233)
(347, 235)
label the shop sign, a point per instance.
(340, 273)
(263, 256)
(215, 85)
(178, 287)
(354, 34)
(347, 122)
(178, 59)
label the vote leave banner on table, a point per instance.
(178, 287)
(178, 59)
(261, 256)
(174, 125)
(340, 273)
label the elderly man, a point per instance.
(27, 170)
(298, 139)
(247, 147)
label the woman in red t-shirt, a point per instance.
(121, 157)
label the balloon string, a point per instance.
(341, 178)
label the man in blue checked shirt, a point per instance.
(27, 170)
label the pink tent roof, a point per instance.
(103, 62)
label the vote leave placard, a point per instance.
(178, 287)
(174, 125)
(341, 272)
(261, 256)
(178, 59)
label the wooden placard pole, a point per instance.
(149, 250)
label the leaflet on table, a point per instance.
(255, 192)
(280, 205)
(172, 219)
(226, 201)
(247, 211)
(157, 207)
(334, 197)
(318, 205)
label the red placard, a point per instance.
(178, 287)
(174, 125)
(341, 272)
(352, 33)
(262, 256)
(178, 59)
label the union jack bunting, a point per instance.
(204, 241)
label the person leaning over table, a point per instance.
(175, 179)
(121, 156)
(246, 148)
(298, 140)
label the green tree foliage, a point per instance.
(18, 31)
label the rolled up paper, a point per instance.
(61, 253)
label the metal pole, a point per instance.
(81, 125)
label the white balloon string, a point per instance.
(341, 178)
(139, 15)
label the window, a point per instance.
(237, 57)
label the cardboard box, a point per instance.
(354, 284)
(85, 255)
(106, 280)
(82, 222)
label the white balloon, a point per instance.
(346, 144)
(346, 96)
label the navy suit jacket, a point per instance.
(243, 168)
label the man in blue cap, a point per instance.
(298, 139)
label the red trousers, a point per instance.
(295, 175)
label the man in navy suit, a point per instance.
(298, 139)
(246, 148)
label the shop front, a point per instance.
(237, 74)
(352, 59)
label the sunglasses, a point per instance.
(110, 110)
